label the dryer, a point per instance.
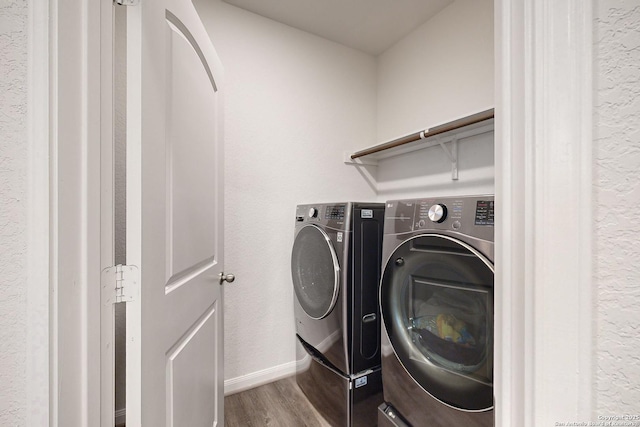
(335, 266)
(436, 299)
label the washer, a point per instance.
(436, 299)
(335, 266)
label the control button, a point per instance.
(438, 213)
(313, 212)
(456, 225)
(421, 223)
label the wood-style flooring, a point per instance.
(280, 403)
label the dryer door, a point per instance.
(315, 271)
(437, 307)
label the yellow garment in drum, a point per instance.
(446, 328)
(452, 329)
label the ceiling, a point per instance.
(371, 26)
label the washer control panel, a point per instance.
(334, 212)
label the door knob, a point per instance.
(226, 278)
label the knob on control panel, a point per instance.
(438, 213)
(313, 212)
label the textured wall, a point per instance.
(617, 200)
(13, 210)
(294, 103)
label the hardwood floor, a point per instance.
(280, 403)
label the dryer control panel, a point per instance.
(473, 215)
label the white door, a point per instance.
(174, 218)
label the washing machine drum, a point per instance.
(437, 306)
(315, 271)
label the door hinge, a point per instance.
(127, 2)
(120, 283)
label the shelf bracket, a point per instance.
(366, 167)
(451, 154)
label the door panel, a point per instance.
(192, 103)
(187, 389)
(175, 203)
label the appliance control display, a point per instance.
(484, 212)
(334, 212)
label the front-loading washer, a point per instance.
(335, 266)
(436, 299)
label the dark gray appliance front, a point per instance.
(436, 298)
(335, 265)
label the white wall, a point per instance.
(294, 103)
(617, 204)
(440, 72)
(13, 212)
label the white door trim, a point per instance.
(544, 366)
(134, 211)
(38, 352)
(106, 162)
(75, 211)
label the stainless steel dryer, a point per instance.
(335, 266)
(436, 298)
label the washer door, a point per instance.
(436, 300)
(315, 271)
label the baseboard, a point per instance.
(258, 378)
(238, 384)
(121, 416)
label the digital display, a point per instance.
(334, 212)
(484, 212)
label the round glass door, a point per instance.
(315, 271)
(437, 306)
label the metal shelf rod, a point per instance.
(456, 124)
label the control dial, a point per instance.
(313, 212)
(438, 213)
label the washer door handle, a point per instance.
(371, 317)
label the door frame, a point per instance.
(65, 188)
(543, 63)
(77, 122)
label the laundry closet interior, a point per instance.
(299, 103)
